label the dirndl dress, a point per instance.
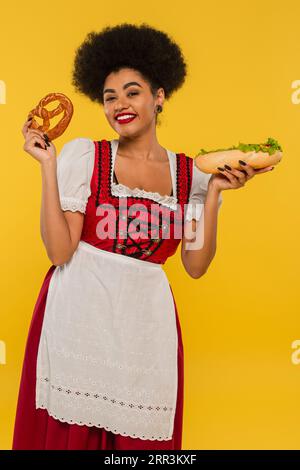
(103, 364)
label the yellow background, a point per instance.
(240, 319)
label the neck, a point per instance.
(143, 147)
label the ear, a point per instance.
(160, 96)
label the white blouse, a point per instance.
(75, 165)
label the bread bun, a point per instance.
(256, 155)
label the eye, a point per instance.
(130, 93)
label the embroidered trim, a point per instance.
(107, 190)
(114, 431)
(120, 190)
(97, 396)
(97, 167)
(189, 177)
(72, 204)
(193, 210)
(104, 397)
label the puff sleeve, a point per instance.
(198, 194)
(75, 164)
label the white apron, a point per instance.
(108, 349)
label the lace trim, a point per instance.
(121, 190)
(114, 431)
(40, 403)
(72, 204)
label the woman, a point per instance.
(103, 366)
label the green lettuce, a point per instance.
(271, 146)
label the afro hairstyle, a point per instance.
(149, 51)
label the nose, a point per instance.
(120, 105)
(120, 109)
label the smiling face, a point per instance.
(126, 91)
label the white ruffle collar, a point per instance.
(120, 190)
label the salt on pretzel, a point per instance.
(65, 106)
(256, 155)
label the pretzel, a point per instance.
(256, 155)
(64, 106)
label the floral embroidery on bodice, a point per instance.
(160, 217)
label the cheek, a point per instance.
(106, 113)
(145, 112)
(110, 117)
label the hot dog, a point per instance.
(256, 155)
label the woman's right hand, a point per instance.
(33, 136)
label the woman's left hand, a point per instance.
(234, 179)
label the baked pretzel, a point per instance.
(64, 106)
(256, 155)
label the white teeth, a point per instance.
(119, 118)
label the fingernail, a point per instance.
(228, 167)
(221, 169)
(272, 168)
(46, 139)
(242, 163)
(30, 119)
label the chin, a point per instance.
(129, 132)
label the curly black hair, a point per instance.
(147, 50)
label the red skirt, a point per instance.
(35, 430)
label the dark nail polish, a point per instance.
(46, 140)
(221, 169)
(272, 168)
(30, 119)
(227, 167)
(242, 163)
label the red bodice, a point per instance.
(134, 226)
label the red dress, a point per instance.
(35, 428)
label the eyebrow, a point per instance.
(124, 87)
